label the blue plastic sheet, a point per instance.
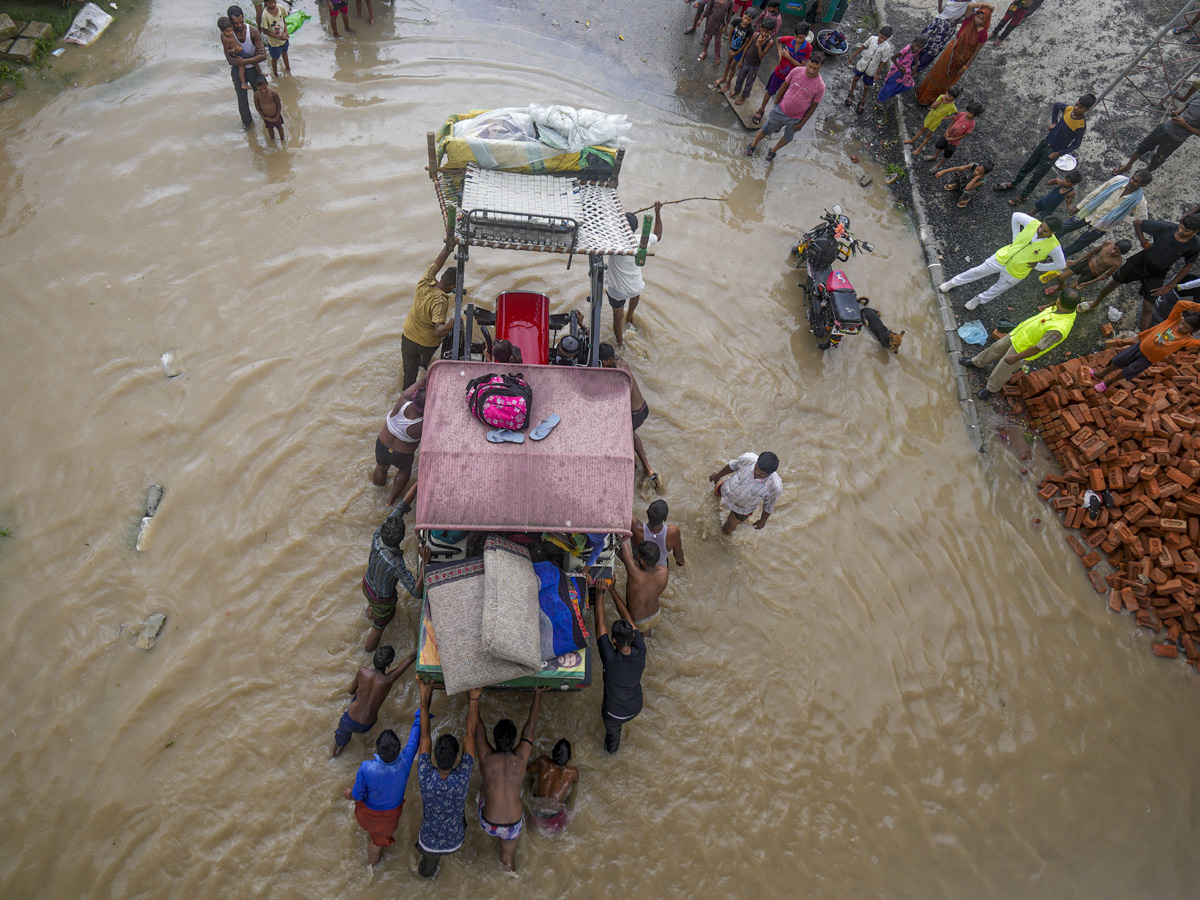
(973, 332)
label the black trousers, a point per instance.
(413, 358)
(243, 96)
(1036, 167)
(612, 732)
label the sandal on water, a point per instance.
(1004, 186)
(770, 156)
(756, 118)
(750, 149)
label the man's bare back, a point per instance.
(370, 689)
(642, 587)
(553, 781)
(504, 773)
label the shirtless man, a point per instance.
(554, 780)
(665, 537)
(269, 106)
(399, 437)
(638, 407)
(369, 689)
(503, 771)
(1096, 266)
(645, 580)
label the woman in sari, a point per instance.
(940, 31)
(954, 61)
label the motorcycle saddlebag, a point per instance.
(846, 311)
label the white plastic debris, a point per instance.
(1114, 314)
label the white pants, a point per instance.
(988, 267)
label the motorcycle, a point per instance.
(832, 305)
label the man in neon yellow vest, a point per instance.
(1033, 246)
(1038, 334)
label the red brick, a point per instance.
(1167, 651)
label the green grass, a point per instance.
(50, 11)
(5, 531)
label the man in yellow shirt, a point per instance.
(1036, 336)
(426, 324)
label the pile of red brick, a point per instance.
(1141, 443)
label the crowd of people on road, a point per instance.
(931, 65)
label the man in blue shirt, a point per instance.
(443, 786)
(379, 786)
(1068, 124)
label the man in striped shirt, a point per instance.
(744, 483)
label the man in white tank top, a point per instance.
(657, 531)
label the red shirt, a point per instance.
(960, 126)
(802, 53)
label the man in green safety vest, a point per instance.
(1038, 334)
(1033, 242)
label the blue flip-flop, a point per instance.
(544, 427)
(506, 436)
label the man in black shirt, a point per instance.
(1163, 244)
(624, 659)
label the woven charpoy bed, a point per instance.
(551, 213)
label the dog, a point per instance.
(888, 339)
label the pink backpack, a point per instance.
(501, 401)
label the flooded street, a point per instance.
(900, 687)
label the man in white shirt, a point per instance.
(624, 282)
(744, 483)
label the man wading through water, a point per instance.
(503, 770)
(251, 42)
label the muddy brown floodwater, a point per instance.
(899, 688)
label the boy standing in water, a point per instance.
(340, 8)
(272, 22)
(269, 106)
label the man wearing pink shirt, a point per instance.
(795, 103)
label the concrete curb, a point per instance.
(966, 398)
